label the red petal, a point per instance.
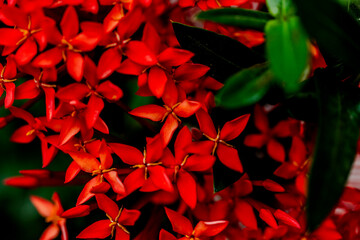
(206, 124)
(190, 71)
(20, 135)
(245, 214)
(187, 188)
(157, 81)
(113, 17)
(110, 91)
(255, 140)
(134, 180)
(151, 38)
(11, 68)
(75, 65)
(70, 127)
(115, 182)
(129, 217)
(151, 111)
(13, 36)
(69, 23)
(187, 108)
(272, 186)
(168, 129)
(179, 223)
(131, 68)
(199, 163)
(128, 154)
(21, 113)
(77, 211)
(72, 171)
(165, 235)
(10, 92)
(120, 234)
(109, 61)
(229, 157)
(233, 128)
(209, 229)
(298, 152)
(49, 101)
(86, 161)
(282, 129)
(261, 119)
(174, 57)
(48, 58)
(286, 218)
(26, 52)
(43, 206)
(107, 205)
(159, 178)
(27, 90)
(48, 154)
(99, 229)
(95, 106)
(183, 139)
(266, 215)
(275, 150)
(51, 232)
(87, 192)
(202, 147)
(138, 52)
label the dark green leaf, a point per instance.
(225, 56)
(239, 17)
(336, 32)
(287, 50)
(245, 87)
(338, 132)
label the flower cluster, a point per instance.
(77, 56)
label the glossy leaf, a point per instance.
(224, 55)
(335, 148)
(239, 17)
(245, 87)
(280, 8)
(287, 50)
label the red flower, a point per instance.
(183, 226)
(268, 136)
(174, 108)
(217, 140)
(51, 211)
(115, 224)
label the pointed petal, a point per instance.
(128, 154)
(233, 128)
(282, 129)
(131, 68)
(255, 140)
(113, 17)
(99, 229)
(77, 211)
(151, 111)
(209, 229)
(190, 71)
(87, 192)
(187, 188)
(183, 139)
(205, 123)
(109, 61)
(229, 157)
(266, 215)
(168, 129)
(157, 81)
(120, 234)
(298, 152)
(21, 135)
(86, 161)
(70, 127)
(245, 214)
(13, 36)
(10, 92)
(199, 163)
(72, 171)
(286, 218)
(26, 52)
(49, 58)
(75, 65)
(21, 113)
(49, 102)
(202, 147)
(51, 232)
(275, 150)
(134, 180)
(179, 223)
(27, 90)
(107, 205)
(115, 182)
(95, 106)
(69, 23)
(165, 235)
(261, 119)
(174, 57)
(158, 176)
(138, 52)
(129, 217)
(187, 108)
(42, 205)
(272, 186)
(110, 91)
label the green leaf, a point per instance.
(239, 17)
(335, 147)
(336, 32)
(225, 56)
(280, 8)
(287, 50)
(245, 87)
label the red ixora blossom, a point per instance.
(183, 226)
(51, 211)
(217, 140)
(114, 225)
